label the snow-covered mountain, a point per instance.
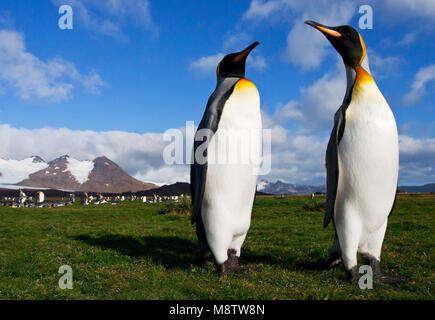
(280, 187)
(13, 171)
(67, 173)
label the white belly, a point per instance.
(233, 163)
(368, 158)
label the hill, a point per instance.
(66, 173)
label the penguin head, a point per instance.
(346, 40)
(233, 64)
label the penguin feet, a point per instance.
(333, 259)
(390, 278)
(331, 263)
(375, 264)
(233, 260)
(354, 276)
(231, 264)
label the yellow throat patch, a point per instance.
(243, 84)
(362, 76)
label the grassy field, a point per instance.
(129, 251)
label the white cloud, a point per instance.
(256, 62)
(382, 67)
(109, 17)
(263, 9)
(206, 64)
(417, 160)
(235, 40)
(93, 82)
(139, 154)
(165, 174)
(299, 158)
(407, 39)
(296, 158)
(418, 89)
(33, 78)
(401, 9)
(306, 47)
(315, 110)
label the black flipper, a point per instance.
(332, 172)
(332, 166)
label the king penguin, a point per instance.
(223, 192)
(362, 161)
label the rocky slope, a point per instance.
(98, 175)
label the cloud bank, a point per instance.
(296, 157)
(32, 78)
(109, 18)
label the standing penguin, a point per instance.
(223, 191)
(362, 161)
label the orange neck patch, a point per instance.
(363, 45)
(244, 84)
(362, 77)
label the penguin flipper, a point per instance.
(198, 172)
(332, 171)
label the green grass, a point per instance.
(183, 206)
(129, 251)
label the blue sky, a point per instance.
(130, 70)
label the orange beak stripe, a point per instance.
(329, 31)
(242, 55)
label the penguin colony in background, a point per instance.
(362, 148)
(24, 201)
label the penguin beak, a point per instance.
(324, 29)
(244, 54)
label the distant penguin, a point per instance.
(41, 196)
(223, 191)
(71, 200)
(84, 199)
(22, 198)
(362, 161)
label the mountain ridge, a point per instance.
(65, 172)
